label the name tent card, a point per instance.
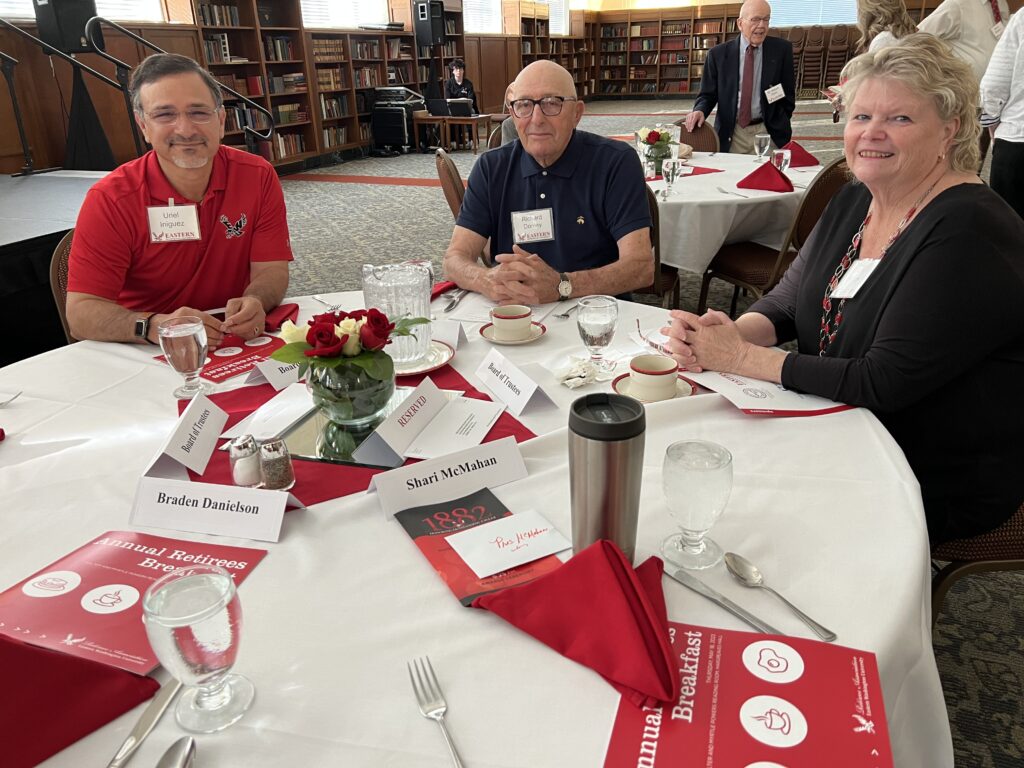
(505, 381)
(166, 498)
(277, 374)
(507, 542)
(426, 425)
(450, 332)
(450, 477)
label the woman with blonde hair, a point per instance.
(908, 297)
(881, 23)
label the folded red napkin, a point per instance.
(280, 313)
(623, 636)
(800, 157)
(50, 700)
(439, 288)
(766, 177)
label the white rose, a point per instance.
(291, 332)
(349, 327)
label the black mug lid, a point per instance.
(607, 416)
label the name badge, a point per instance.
(774, 93)
(532, 226)
(855, 277)
(997, 29)
(171, 223)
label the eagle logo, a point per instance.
(233, 230)
(866, 726)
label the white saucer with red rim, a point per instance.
(621, 385)
(536, 331)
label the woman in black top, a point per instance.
(933, 340)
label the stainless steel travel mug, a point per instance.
(606, 456)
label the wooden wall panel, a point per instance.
(495, 76)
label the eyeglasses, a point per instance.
(756, 20)
(198, 116)
(549, 105)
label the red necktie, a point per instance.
(747, 88)
(995, 11)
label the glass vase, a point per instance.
(349, 396)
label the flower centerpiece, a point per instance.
(348, 373)
(656, 144)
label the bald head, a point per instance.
(545, 136)
(753, 20)
(546, 75)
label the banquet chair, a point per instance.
(494, 140)
(59, 281)
(757, 268)
(666, 278)
(454, 190)
(704, 139)
(998, 550)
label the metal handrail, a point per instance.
(93, 25)
(57, 52)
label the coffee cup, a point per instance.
(511, 322)
(653, 377)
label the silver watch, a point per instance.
(564, 287)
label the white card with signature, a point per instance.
(507, 542)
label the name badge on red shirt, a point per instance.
(532, 226)
(172, 223)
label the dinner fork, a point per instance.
(10, 400)
(725, 191)
(565, 315)
(431, 700)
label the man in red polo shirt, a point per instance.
(189, 227)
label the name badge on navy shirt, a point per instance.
(855, 277)
(532, 226)
(172, 223)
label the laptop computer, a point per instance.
(460, 107)
(438, 107)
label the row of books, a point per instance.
(366, 49)
(638, 30)
(333, 106)
(364, 101)
(613, 74)
(290, 113)
(675, 73)
(644, 44)
(644, 58)
(613, 60)
(328, 49)
(293, 82)
(613, 30)
(330, 79)
(366, 77)
(636, 73)
(674, 58)
(279, 48)
(289, 144)
(237, 117)
(398, 75)
(335, 135)
(399, 48)
(613, 45)
(219, 15)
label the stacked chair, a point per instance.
(797, 35)
(812, 65)
(838, 53)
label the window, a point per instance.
(116, 10)
(482, 16)
(790, 13)
(347, 15)
(559, 17)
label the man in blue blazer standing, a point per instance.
(750, 78)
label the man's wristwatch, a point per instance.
(142, 327)
(564, 287)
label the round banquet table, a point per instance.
(825, 505)
(697, 218)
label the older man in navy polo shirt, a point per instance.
(565, 211)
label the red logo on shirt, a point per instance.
(233, 230)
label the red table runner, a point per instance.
(317, 481)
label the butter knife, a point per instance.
(455, 302)
(145, 724)
(698, 586)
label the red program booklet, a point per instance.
(759, 700)
(431, 524)
(89, 603)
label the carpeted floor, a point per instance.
(380, 210)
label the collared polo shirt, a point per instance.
(595, 191)
(241, 220)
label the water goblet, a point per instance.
(761, 143)
(697, 480)
(670, 172)
(596, 319)
(781, 159)
(193, 620)
(183, 341)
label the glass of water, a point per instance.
(596, 318)
(761, 143)
(781, 159)
(193, 619)
(401, 290)
(670, 172)
(696, 478)
(183, 341)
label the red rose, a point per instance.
(355, 314)
(376, 332)
(653, 137)
(326, 317)
(324, 341)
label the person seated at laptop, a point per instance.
(190, 226)
(458, 86)
(566, 211)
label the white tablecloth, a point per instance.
(827, 507)
(698, 219)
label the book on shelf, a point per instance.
(289, 144)
(330, 79)
(290, 113)
(235, 83)
(219, 15)
(364, 132)
(335, 135)
(254, 84)
(293, 82)
(237, 117)
(366, 77)
(278, 47)
(328, 49)
(366, 49)
(333, 106)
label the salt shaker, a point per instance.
(276, 466)
(245, 461)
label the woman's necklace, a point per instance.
(829, 325)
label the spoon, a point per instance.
(10, 400)
(749, 576)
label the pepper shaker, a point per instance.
(276, 466)
(245, 461)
